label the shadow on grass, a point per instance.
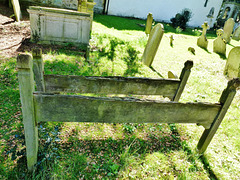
(91, 158)
(192, 158)
(205, 50)
(120, 23)
(208, 168)
(94, 157)
(222, 56)
(231, 44)
(67, 48)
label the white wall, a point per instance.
(164, 10)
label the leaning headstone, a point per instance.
(149, 23)
(219, 46)
(202, 40)
(232, 68)
(152, 44)
(17, 10)
(236, 34)
(228, 29)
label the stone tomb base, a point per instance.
(54, 26)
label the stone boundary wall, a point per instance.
(66, 4)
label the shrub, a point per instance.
(181, 19)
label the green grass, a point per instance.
(124, 151)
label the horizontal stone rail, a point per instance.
(68, 108)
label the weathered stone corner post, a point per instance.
(183, 77)
(225, 99)
(26, 88)
(38, 69)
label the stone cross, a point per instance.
(205, 26)
(151, 48)
(149, 23)
(219, 46)
(202, 40)
(232, 68)
(228, 29)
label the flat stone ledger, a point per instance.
(54, 26)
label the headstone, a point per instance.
(149, 23)
(232, 68)
(171, 40)
(152, 44)
(17, 10)
(228, 29)
(219, 46)
(236, 34)
(202, 40)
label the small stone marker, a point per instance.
(17, 10)
(152, 44)
(172, 75)
(171, 40)
(219, 46)
(228, 29)
(232, 68)
(236, 34)
(202, 40)
(192, 50)
(149, 23)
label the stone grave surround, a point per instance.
(228, 29)
(219, 46)
(54, 25)
(202, 40)
(232, 68)
(46, 103)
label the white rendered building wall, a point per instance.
(163, 10)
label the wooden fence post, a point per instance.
(38, 69)
(183, 77)
(225, 100)
(26, 88)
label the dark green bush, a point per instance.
(181, 19)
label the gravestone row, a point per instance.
(232, 68)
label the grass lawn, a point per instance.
(124, 151)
